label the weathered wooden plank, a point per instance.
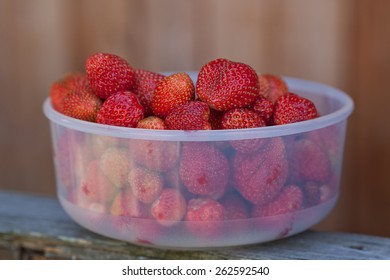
(36, 227)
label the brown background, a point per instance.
(342, 43)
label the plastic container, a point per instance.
(248, 186)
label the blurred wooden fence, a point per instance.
(342, 43)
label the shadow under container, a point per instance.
(201, 189)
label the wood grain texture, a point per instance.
(341, 43)
(36, 227)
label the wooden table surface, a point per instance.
(36, 227)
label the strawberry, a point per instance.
(204, 217)
(309, 162)
(81, 104)
(204, 169)
(114, 163)
(146, 185)
(265, 108)
(289, 201)
(158, 156)
(236, 207)
(95, 186)
(121, 109)
(145, 82)
(241, 118)
(215, 119)
(193, 115)
(224, 84)
(59, 89)
(278, 216)
(276, 87)
(248, 146)
(126, 204)
(169, 208)
(263, 85)
(108, 73)
(291, 108)
(311, 194)
(151, 122)
(171, 92)
(260, 176)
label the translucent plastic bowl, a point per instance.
(272, 182)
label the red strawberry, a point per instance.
(236, 207)
(114, 163)
(241, 118)
(169, 208)
(151, 122)
(146, 185)
(248, 146)
(96, 187)
(121, 109)
(145, 82)
(225, 84)
(215, 119)
(61, 88)
(260, 176)
(264, 86)
(193, 115)
(277, 216)
(81, 104)
(108, 73)
(291, 108)
(171, 92)
(204, 169)
(309, 162)
(276, 87)
(158, 156)
(204, 217)
(265, 108)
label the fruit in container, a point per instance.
(221, 157)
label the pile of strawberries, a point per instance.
(227, 95)
(197, 188)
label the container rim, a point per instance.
(295, 84)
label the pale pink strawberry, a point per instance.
(96, 187)
(248, 146)
(260, 176)
(158, 156)
(308, 162)
(224, 84)
(169, 208)
(146, 185)
(289, 200)
(204, 217)
(236, 208)
(193, 115)
(171, 92)
(151, 122)
(278, 216)
(108, 73)
(311, 194)
(127, 205)
(145, 82)
(114, 163)
(204, 169)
